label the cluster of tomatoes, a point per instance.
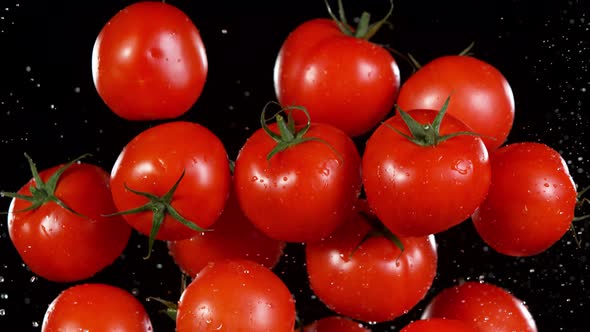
(368, 220)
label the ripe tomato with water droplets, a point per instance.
(236, 295)
(149, 62)
(304, 192)
(372, 281)
(486, 307)
(71, 242)
(531, 201)
(96, 307)
(418, 190)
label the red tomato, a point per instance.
(531, 201)
(376, 282)
(153, 161)
(437, 325)
(481, 95)
(149, 62)
(236, 295)
(419, 190)
(487, 308)
(62, 246)
(96, 307)
(335, 324)
(233, 236)
(342, 80)
(302, 193)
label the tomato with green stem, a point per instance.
(482, 97)
(297, 183)
(84, 308)
(424, 172)
(364, 272)
(56, 222)
(531, 201)
(236, 295)
(171, 181)
(234, 236)
(149, 62)
(335, 72)
(484, 306)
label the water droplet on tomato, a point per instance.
(254, 178)
(462, 166)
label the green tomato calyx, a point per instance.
(289, 134)
(171, 309)
(364, 30)
(160, 207)
(44, 192)
(427, 134)
(377, 230)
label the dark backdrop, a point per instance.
(50, 109)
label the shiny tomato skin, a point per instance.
(481, 97)
(486, 307)
(149, 62)
(345, 81)
(437, 325)
(236, 295)
(377, 283)
(531, 201)
(304, 192)
(59, 245)
(416, 190)
(335, 324)
(96, 307)
(155, 159)
(233, 236)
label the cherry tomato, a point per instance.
(437, 325)
(236, 295)
(335, 324)
(153, 162)
(233, 236)
(531, 200)
(149, 62)
(486, 307)
(419, 190)
(481, 95)
(96, 307)
(375, 282)
(342, 80)
(301, 193)
(71, 243)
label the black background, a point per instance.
(50, 109)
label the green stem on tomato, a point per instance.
(365, 29)
(377, 229)
(427, 134)
(44, 192)
(467, 50)
(289, 135)
(160, 207)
